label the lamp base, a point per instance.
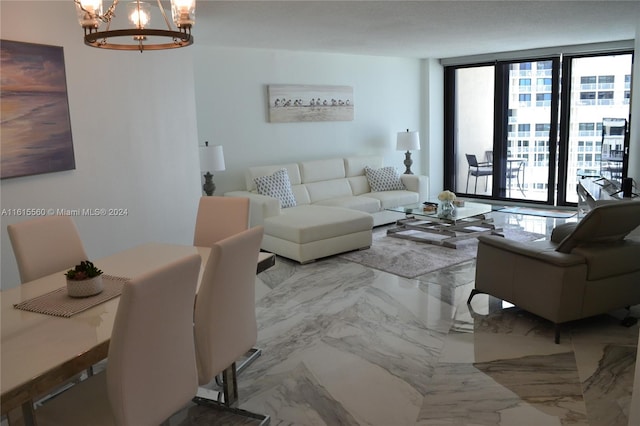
(209, 187)
(407, 163)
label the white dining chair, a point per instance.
(225, 315)
(219, 218)
(45, 245)
(151, 370)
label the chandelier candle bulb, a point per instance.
(88, 12)
(139, 14)
(183, 12)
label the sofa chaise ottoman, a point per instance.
(319, 208)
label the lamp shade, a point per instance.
(211, 158)
(408, 141)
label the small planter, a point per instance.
(447, 208)
(447, 199)
(85, 288)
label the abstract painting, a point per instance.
(36, 126)
(291, 103)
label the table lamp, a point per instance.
(408, 141)
(211, 159)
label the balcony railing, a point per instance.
(605, 86)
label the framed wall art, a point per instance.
(295, 103)
(36, 125)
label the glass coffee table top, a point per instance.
(433, 227)
(468, 210)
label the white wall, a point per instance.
(135, 139)
(433, 124)
(232, 107)
(634, 142)
(135, 135)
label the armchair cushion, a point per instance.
(604, 224)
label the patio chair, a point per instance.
(478, 169)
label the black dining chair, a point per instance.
(478, 169)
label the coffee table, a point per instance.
(467, 221)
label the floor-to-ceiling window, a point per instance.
(598, 96)
(473, 127)
(527, 130)
(526, 166)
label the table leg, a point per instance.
(449, 233)
(23, 415)
(230, 386)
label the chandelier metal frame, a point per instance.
(103, 39)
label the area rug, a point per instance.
(411, 259)
(560, 214)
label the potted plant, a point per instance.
(85, 279)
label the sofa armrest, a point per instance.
(261, 206)
(543, 251)
(417, 183)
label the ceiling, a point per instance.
(417, 29)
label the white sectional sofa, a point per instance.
(334, 209)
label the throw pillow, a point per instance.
(383, 179)
(278, 186)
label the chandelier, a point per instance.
(139, 36)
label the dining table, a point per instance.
(39, 352)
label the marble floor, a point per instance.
(344, 344)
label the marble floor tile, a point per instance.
(344, 344)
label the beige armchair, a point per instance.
(585, 269)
